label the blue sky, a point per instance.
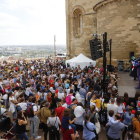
(32, 22)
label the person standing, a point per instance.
(112, 106)
(43, 115)
(136, 122)
(128, 116)
(88, 129)
(115, 128)
(34, 120)
(54, 121)
(59, 110)
(21, 126)
(83, 93)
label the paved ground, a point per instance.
(126, 84)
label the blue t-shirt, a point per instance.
(88, 135)
(115, 129)
(65, 122)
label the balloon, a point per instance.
(78, 111)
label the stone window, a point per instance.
(77, 22)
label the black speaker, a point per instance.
(131, 54)
(120, 65)
(110, 68)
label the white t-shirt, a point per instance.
(65, 105)
(53, 121)
(112, 107)
(11, 98)
(28, 91)
(23, 106)
(68, 91)
(121, 108)
(35, 109)
(16, 94)
(60, 95)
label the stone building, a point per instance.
(119, 18)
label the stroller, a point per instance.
(6, 125)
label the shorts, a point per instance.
(79, 127)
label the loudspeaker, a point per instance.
(110, 68)
(120, 65)
(131, 54)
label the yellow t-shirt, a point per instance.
(98, 103)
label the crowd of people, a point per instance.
(67, 101)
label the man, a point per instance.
(38, 85)
(115, 128)
(56, 84)
(43, 115)
(34, 120)
(112, 106)
(96, 86)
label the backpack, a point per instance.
(68, 99)
(130, 127)
(104, 111)
(53, 129)
(29, 111)
(93, 119)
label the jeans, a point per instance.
(7, 104)
(123, 133)
(45, 130)
(74, 127)
(24, 136)
(34, 126)
(57, 135)
(14, 114)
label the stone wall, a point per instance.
(80, 44)
(121, 20)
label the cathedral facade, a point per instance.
(119, 18)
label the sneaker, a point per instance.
(38, 137)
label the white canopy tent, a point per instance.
(81, 60)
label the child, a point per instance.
(66, 120)
(97, 101)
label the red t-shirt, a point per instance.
(51, 84)
(67, 133)
(59, 112)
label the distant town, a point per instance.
(31, 51)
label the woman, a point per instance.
(79, 121)
(59, 110)
(136, 122)
(20, 126)
(120, 105)
(54, 121)
(126, 99)
(104, 109)
(95, 117)
(128, 116)
(12, 107)
(88, 129)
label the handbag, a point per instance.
(41, 123)
(98, 127)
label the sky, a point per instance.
(32, 22)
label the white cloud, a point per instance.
(32, 22)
